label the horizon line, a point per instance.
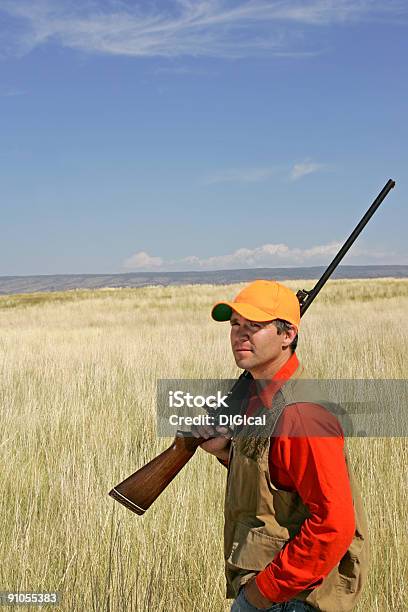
(158, 273)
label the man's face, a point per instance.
(256, 345)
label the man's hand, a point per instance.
(254, 596)
(218, 440)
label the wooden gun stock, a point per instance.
(142, 488)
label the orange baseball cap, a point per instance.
(262, 300)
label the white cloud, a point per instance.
(266, 255)
(218, 28)
(143, 261)
(263, 173)
(304, 168)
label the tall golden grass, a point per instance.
(78, 380)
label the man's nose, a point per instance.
(243, 332)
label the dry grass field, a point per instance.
(77, 393)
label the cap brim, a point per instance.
(222, 311)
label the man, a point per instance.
(295, 534)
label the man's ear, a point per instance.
(289, 336)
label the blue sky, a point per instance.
(212, 134)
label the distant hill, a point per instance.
(62, 282)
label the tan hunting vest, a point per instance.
(260, 519)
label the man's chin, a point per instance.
(243, 361)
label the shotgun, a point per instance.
(143, 487)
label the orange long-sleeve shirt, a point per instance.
(306, 455)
